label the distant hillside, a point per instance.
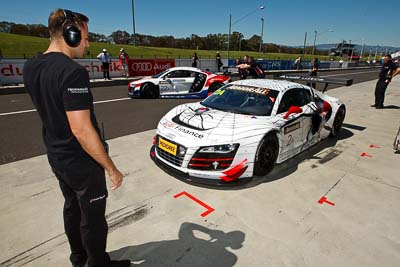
(358, 48)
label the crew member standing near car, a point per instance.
(218, 61)
(253, 68)
(124, 59)
(242, 71)
(388, 71)
(313, 71)
(105, 61)
(60, 90)
(195, 60)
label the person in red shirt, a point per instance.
(124, 59)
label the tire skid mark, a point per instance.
(116, 219)
(34, 195)
(331, 154)
(25, 254)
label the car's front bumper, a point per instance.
(191, 178)
(133, 93)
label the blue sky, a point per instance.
(285, 21)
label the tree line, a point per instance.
(218, 41)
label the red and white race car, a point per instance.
(178, 82)
(243, 129)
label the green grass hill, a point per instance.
(21, 46)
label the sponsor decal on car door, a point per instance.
(182, 85)
(292, 136)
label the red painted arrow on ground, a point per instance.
(374, 146)
(204, 214)
(323, 200)
(363, 154)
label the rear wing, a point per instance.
(326, 81)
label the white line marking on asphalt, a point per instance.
(33, 110)
(346, 74)
(17, 112)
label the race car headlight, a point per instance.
(219, 148)
(181, 151)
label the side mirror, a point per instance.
(292, 110)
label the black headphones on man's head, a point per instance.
(71, 32)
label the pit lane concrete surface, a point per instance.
(272, 221)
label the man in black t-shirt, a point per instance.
(60, 90)
(195, 59)
(218, 61)
(388, 71)
(314, 71)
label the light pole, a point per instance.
(229, 34)
(351, 54)
(362, 51)
(241, 18)
(376, 52)
(133, 23)
(315, 38)
(262, 32)
(304, 46)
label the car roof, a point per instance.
(185, 68)
(279, 85)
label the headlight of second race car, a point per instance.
(219, 148)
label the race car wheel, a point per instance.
(266, 156)
(338, 121)
(149, 90)
(214, 87)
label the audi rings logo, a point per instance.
(142, 66)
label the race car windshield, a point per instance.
(243, 100)
(159, 75)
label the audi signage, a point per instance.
(148, 67)
(11, 69)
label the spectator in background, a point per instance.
(124, 59)
(105, 61)
(218, 61)
(195, 60)
(388, 71)
(242, 71)
(252, 67)
(313, 71)
(297, 63)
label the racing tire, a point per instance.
(267, 154)
(149, 90)
(214, 87)
(338, 121)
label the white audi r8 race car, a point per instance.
(243, 129)
(178, 82)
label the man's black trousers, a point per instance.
(106, 70)
(380, 90)
(83, 185)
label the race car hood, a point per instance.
(194, 122)
(143, 80)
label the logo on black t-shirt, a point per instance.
(83, 90)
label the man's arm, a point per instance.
(396, 72)
(83, 130)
